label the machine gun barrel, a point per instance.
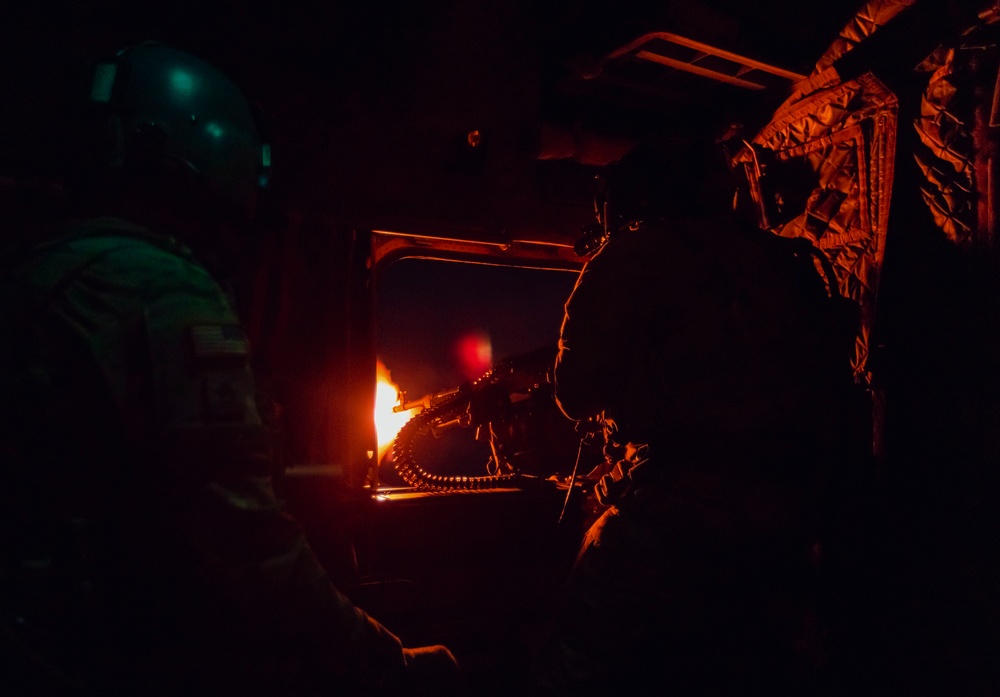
(425, 402)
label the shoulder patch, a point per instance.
(218, 341)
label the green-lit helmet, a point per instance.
(168, 106)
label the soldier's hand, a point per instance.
(430, 670)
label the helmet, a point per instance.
(164, 105)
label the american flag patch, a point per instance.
(219, 340)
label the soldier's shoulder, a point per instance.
(80, 242)
(109, 263)
(137, 257)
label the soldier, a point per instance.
(709, 353)
(145, 551)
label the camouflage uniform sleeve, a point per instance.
(176, 359)
(217, 455)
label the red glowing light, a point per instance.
(474, 352)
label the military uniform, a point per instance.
(145, 551)
(703, 344)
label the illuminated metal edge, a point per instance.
(400, 494)
(388, 246)
(331, 471)
(697, 70)
(634, 49)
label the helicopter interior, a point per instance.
(440, 179)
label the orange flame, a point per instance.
(387, 421)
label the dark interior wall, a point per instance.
(299, 322)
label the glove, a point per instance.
(612, 487)
(428, 670)
(429, 655)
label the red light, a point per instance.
(474, 352)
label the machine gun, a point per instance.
(512, 408)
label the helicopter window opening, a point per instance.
(443, 324)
